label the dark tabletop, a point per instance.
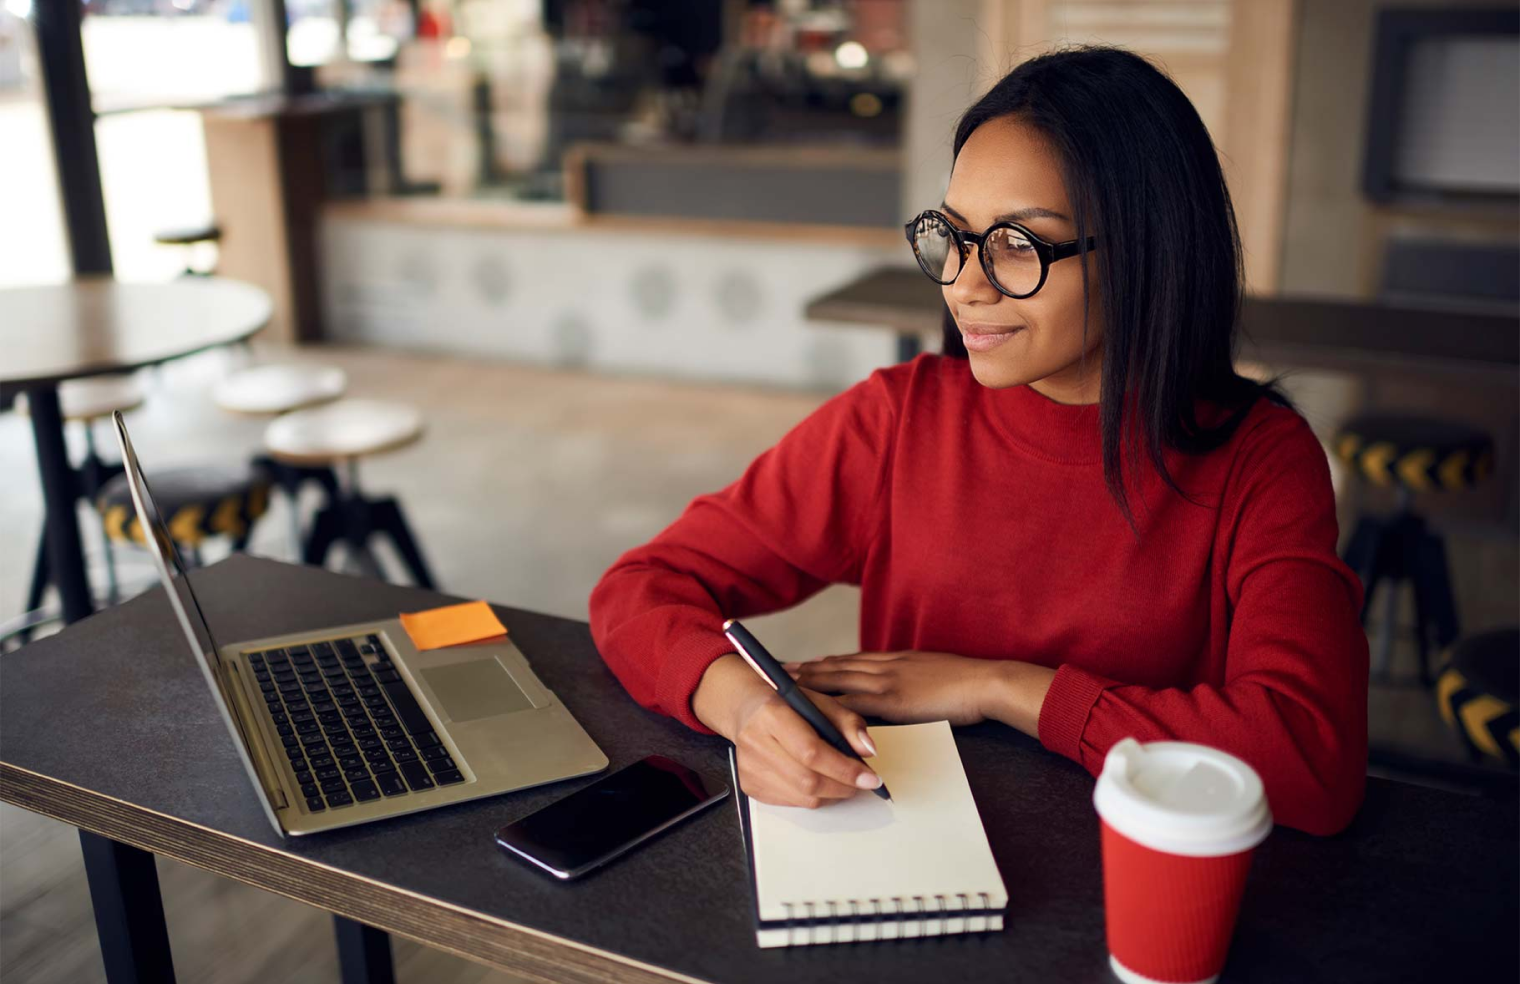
(95, 325)
(1320, 332)
(1422, 887)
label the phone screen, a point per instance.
(595, 824)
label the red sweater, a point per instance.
(976, 522)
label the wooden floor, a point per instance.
(551, 476)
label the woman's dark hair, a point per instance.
(1144, 178)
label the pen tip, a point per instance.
(726, 623)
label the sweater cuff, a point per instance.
(681, 670)
(1068, 702)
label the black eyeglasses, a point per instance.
(1015, 260)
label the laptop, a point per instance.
(347, 724)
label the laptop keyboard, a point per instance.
(350, 725)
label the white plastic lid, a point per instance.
(1182, 798)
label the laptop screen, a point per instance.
(187, 608)
(161, 544)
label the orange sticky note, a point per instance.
(452, 625)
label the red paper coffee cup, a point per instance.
(1180, 822)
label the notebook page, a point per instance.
(928, 841)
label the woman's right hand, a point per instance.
(781, 758)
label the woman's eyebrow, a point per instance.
(1018, 215)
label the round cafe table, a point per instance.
(94, 326)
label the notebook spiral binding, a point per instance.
(906, 916)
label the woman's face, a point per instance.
(1007, 171)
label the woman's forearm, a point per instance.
(1016, 693)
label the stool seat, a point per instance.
(274, 389)
(195, 503)
(94, 397)
(345, 429)
(208, 232)
(319, 438)
(1478, 695)
(1421, 454)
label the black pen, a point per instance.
(775, 674)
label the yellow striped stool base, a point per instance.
(1477, 695)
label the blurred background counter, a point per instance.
(465, 182)
(715, 291)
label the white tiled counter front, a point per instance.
(689, 305)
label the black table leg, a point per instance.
(59, 492)
(129, 912)
(364, 953)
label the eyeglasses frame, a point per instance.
(1048, 252)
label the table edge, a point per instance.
(426, 920)
(123, 368)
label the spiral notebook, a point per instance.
(865, 869)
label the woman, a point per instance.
(1078, 520)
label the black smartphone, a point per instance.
(616, 813)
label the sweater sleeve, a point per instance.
(1293, 703)
(799, 518)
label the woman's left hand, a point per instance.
(905, 687)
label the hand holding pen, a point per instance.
(764, 664)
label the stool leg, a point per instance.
(291, 486)
(1383, 653)
(1433, 597)
(1422, 614)
(40, 576)
(1355, 554)
(327, 480)
(1375, 577)
(390, 519)
(38, 589)
(95, 475)
(357, 522)
(1387, 569)
(1362, 556)
(325, 530)
(357, 527)
(325, 477)
(113, 587)
(289, 479)
(1443, 605)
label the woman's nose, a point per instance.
(972, 283)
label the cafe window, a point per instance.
(33, 247)
(494, 98)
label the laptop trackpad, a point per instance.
(482, 688)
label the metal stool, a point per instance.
(279, 388)
(83, 401)
(196, 504)
(273, 389)
(1477, 693)
(340, 434)
(1414, 455)
(190, 238)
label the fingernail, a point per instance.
(868, 780)
(865, 740)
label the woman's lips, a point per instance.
(985, 338)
